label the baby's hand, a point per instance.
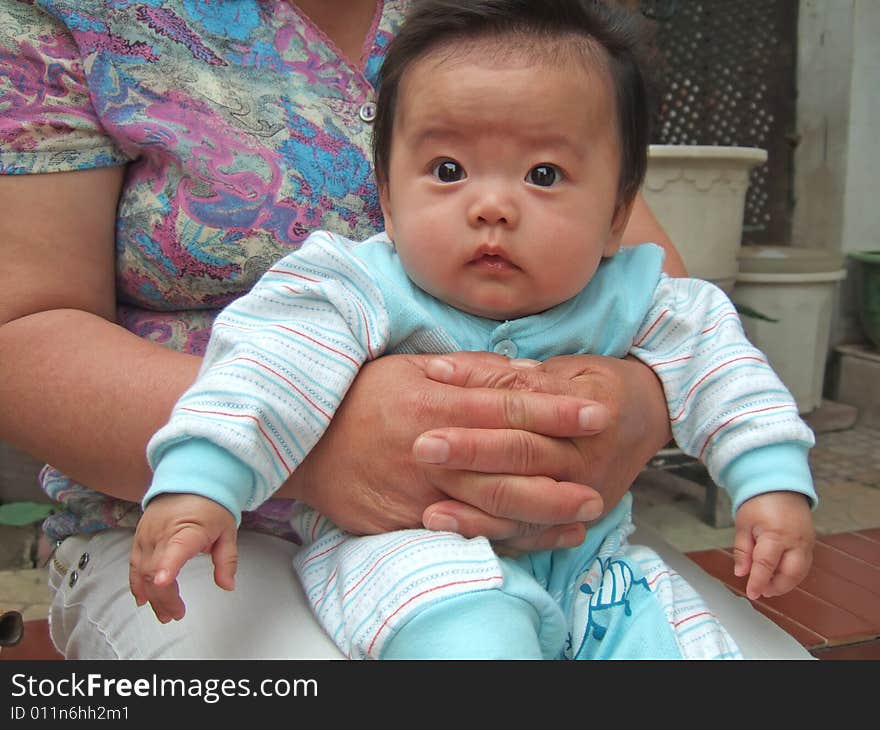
(773, 543)
(173, 529)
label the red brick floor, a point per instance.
(35, 644)
(835, 611)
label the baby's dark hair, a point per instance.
(600, 32)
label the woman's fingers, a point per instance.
(496, 394)
(537, 500)
(509, 536)
(499, 451)
(477, 369)
(549, 538)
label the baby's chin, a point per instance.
(500, 304)
(501, 312)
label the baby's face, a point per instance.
(502, 184)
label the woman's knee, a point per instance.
(94, 615)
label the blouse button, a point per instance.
(367, 112)
(74, 576)
(83, 560)
(507, 348)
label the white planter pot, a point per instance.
(698, 194)
(796, 286)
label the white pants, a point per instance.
(94, 616)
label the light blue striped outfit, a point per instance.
(282, 357)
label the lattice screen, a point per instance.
(728, 79)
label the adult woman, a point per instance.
(204, 141)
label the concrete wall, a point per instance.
(837, 159)
(861, 214)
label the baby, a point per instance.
(510, 141)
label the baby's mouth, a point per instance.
(492, 261)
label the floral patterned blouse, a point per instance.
(242, 127)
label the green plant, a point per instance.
(753, 313)
(19, 514)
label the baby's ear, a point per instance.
(618, 226)
(385, 204)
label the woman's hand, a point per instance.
(486, 446)
(636, 425)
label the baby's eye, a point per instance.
(448, 171)
(543, 175)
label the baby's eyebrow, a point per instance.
(436, 134)
(560, 142)
(550, 142)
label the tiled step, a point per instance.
(860, 652)
(838, 603)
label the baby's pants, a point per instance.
(418, 594)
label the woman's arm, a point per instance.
(76, 389)
(643, 226)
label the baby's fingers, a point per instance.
(765, 559)
(135, 574)
(160, 576)
(793, 568)
(182, 546)
(225, 557)
(743, 546)
(166, 601)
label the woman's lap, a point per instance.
(266, 617)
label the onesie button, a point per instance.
(506, 347)
(367, 112)
(83, 560)
(73, 578)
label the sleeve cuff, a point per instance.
(198, 466)
(775, 468)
